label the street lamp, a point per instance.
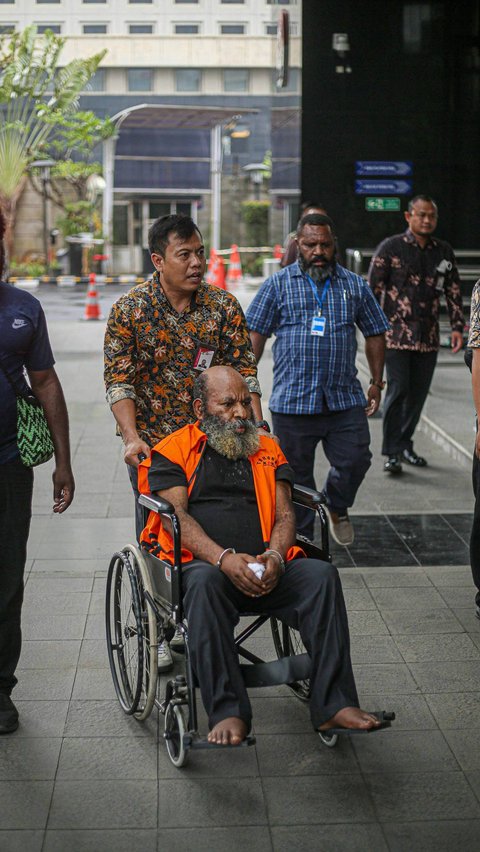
(256, 173)
(45, 167)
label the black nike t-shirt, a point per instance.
(223, 497)
(24, 343)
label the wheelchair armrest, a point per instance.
(156, 504)
(306, 496)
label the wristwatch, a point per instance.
(378, 384)
(262, 424)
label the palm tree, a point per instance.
(37, 95)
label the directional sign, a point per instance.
(383, 205)
(383, 187)
(389, 168)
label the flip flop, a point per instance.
(329, 737)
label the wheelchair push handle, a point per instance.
(156, 504)
(306, 496)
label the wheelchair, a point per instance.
(143, 609)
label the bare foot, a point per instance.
(231, 731)
(351, 717)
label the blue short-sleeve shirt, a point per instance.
(24, 343)
(311, 372)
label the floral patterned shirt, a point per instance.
(474, 334)
(403, 278)
(151, 352)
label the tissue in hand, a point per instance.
(258, 568)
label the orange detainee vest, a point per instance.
(185, 447)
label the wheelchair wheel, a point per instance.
(288, 643)
(174, 730)
(330, 740)
(131, 633)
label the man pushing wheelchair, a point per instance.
(231, 489)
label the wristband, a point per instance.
(378, 384)
(262, 424)
(224, 553)
(281, 561)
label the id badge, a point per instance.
(318, 326)
(203, 358)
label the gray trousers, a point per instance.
(308, 597)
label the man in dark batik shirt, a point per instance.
(408, 274)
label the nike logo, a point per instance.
(19, 323)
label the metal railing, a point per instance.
(358, 260)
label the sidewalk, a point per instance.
(78, 774)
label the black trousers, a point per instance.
(475, 533)
(16, 487)
(345, 438)
(141, 513)
(308, 598)
(409, 376)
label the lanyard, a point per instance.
(319, 299)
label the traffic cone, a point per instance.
(92, 306)
(278, 252)
(211, 267)
(219, 274)
(234, 267)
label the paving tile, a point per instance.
(456, 710)
(279, 715)
(104, 718)
(218, 763)
(254, 838)
(448, 646)
(211, 802)
(317, 799)
(358, 599)
(458, 577)
(465, 746)
(458, 597)
(107, 758)
(353, 837)
(351, 579)
(410, 796)
(41, 718)
(106, 840)
(409, 598)
(48, 684)
(28, 758)
(49, 654)
(101, 804)
(433, 621)
(411, 711)
(66, 603)
(93, 683)
(303, 754)
(93, 654)
(474, 781)
(440, 836)
(467, 617)
(53, 626)
(21, 841)
(75, 567)
(374, 649)
(447, 676)
(385, 578)
(384, 677)
(44, 585)
(95, 626)
(25, 804)
(366, 623)
(405, 751)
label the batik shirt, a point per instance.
(403, 278)
(153, 353)
(474, 335)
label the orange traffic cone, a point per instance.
(234, 267)
(278, 252)
(92, 306)
(219, 274)
(211, 267)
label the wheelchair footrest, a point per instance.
(195, 741)
(276, 672)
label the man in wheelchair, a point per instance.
(231, 489)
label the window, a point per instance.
(8, 1)
(91, 1)
(140, 79)
(184, 29)
(188, 80)
(89, 29)
(232, 1)
(293, 84)
(54, 28)
(139, 29)
(140, 1)
(98, 82)
(48, 1)
(281, 2)
(232, 29)
(235, 80)
(120, 225)
(271, 29)
(5, 29)
(186, 1)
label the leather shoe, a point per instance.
(411, 457)
(8, 715)
(393, 465)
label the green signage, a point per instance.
(382, 204)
